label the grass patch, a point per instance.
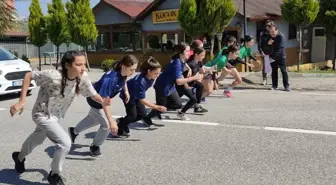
(317, 71)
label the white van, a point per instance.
(12, 72)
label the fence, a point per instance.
(22, 46)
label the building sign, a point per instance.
(165, 16)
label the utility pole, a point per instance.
(245, 26)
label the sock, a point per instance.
(76, 133)
(229, 88)
(21, 158)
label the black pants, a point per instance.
(187, 92)
(173, 100)
(199, 90)
(275, 66)
(264, 75)
(134, 112)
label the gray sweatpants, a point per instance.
(48, 127)
(94, 118)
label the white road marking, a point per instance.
(278, 129)
(301, 131)
(191, 122)
(318, 94)
(1, 109)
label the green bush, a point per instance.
(25, 58)
(107, 64)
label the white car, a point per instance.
(12, 72)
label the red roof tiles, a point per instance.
(131, 7)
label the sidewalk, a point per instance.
(299, 82)
(253, 80)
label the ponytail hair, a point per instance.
(230, 39)
(127, 60)
(68, 58)
(196, 51)
(196, 44)
(179, 49)
(247, 38)
(150, 65)
(231, 49)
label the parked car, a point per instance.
(12, 72)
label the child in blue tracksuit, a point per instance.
(137, 87)
(110, 84)
(165, 91)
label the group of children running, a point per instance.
(185, 74)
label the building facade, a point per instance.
(144, 27)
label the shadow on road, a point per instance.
(51, 150)
(10, 176)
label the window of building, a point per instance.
(291, 31)
(103, 42)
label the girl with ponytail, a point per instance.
(164, 86)
(228, 54)
(244, 51)
(57, 91)
(109, 85)
(137, 86)
(211, 81)
(195, 62)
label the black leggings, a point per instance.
(187, 92)
(134, 112)
(173, 101)
(199, 90)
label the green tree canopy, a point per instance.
(57, 26)
(81, 20)
(37, 27)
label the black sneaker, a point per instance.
(19, 165)
(147, 122)
(55, 179)
(95, 150)
(200, 109)
(72, 134)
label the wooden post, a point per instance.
(111, 37)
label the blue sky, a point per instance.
(22, 6)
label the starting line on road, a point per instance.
(277, 129)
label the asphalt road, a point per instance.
(256, 137)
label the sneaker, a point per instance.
(200, 109)
(203, 99)
(228, 94)
(287, 89)
(182, 116)
(19, 165)
(147, 122)
(273, 88)
(264, 82)
(72, 134)
(55, 179)
(95, 150)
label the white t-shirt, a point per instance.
(50, 100)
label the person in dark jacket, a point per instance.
(264, 48)
(278, 54)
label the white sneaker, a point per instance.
(182, 116)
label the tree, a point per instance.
(215, 16)
(227, 12)
(57, 26)
(188, 15)
(36, 24)
(7, 19)
(301, 13)
(82, 26)
(327, 16)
